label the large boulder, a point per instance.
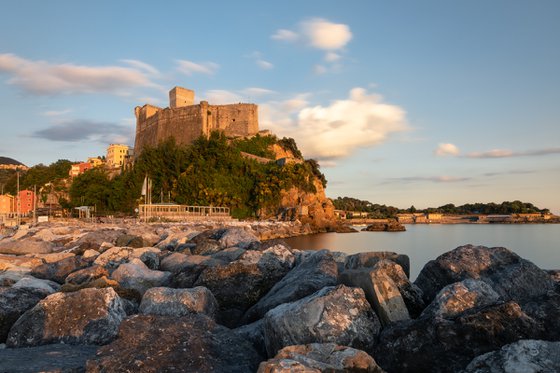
(525, 356)
(253, 333)
(381, 292)
(58, 271)
(212, 241)
(240, 284)
(340, 315)
(113, 257)
(88, 316)
(316, 271)
(86, 275)
(546, 310)
(129, 240)
(26, 246)
(31, 282)
(48, 358)
(178, 302)
(137, 276)
(192, 343)
(370, 259)
(13, 303)
(320, 357)
(447, 345)
(185, 269)
(9, 262)
(93, 240)
(512, 277)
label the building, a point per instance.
(26, 202)
(117, 154)
(95, 161)
(79, 168)
(7, 204)
(186, 121)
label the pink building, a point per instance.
(26, 201)
(79, 168)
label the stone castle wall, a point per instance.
(187, 123)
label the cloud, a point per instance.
(189, 67)
(42, 77)
(285, 35)
(222, 97)
(433, 179)
(139, 65)
(335, 131)
(265, 65)
(505, 153)
(319, 70)
(445, 149)
(79, 130)
(56, 113)
(332, 57)
(257, 92)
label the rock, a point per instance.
(128, 240)
(31, 282)
(388, 226)
(315, 272)
(8, 262)
(339, 315)
(229, 255)
(13, 303)
(148, 255)
(253, 333)
(113, 257)
(213, 241)
(90, 255)
(192, 343)
(137, 276)
(448, 345)
(26, 246)
(178, 241)
(47, 358)
(370, 259)
(240, 284)
(459, 297)
(93, 240)
(178, 302)
(86, 275)
(344, 228)
(512, 277)
(546, 310)
(187, 268)
(57, 271)
(237, 237)
(53, 257)
(381, 292)
(320, 357)
(524, 356)
(88, 316)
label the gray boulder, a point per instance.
(31, 282)
(512, 277)
(191, 343)
(369, 259)
(253, 333)
(212, 241)
(58, 271)
(13, 303)
(240, 284)
(88, 316)
(137, 276)
(48, 358)
(315, 271)
(320, 357)
(129, 240)
(178, 302)
(186, 269)
(113, 257)
(338, 315)
(524, 356)
(459, 297)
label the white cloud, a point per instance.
(222, 97)
(56, 113)
(42, 77)
(285, 35)
(323, 34)
(265, 65)
(332, 57)
(319, 69)
(189, 67)
(506, 153)
(335, 131)
(139, 65)
(257, 92)
(444, 149)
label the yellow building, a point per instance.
(95, 161)
(117, 155)
(7, 203)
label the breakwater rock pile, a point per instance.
(193, 299)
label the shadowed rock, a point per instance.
(253, 333)
(339, 315)
(192, 343)
(13, 303)
(185, 269)
(316, 271)
(88, 316)
(86, 275)
(129, 240)
(320, 357)
(137, 276)
(57, 271)
(369, 259)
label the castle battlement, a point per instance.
(186, 121)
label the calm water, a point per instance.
(539, 243)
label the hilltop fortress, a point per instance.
(186, 121)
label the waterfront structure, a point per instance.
(186, 121)
(79, 168)
(173, 212)
(117, 154)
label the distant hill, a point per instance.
(10, 161)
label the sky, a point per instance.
(402, 102)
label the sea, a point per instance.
(539, 243)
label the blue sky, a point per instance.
(403, 102)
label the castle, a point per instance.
(186, 121)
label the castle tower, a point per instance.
(179, 97)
